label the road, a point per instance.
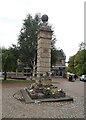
(76, 87)
(12, 108)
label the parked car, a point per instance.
(83, 78)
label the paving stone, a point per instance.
(12, 108)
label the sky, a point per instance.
(66, 17)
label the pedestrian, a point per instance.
(70, 78)
(75, 76)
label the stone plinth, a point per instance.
(44, 49)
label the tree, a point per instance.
(27, 41)
(82, 46)
(14, 51)
(80, 62)
(54, 56)
(80, 59)
(9, 59)
(71, 64)
(77, 63)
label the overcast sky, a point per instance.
(66, 16)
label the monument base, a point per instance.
(23, 96)
(39, 92)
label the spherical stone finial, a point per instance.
(44, 18)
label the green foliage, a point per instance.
(54, 54)
(26, 51)
(82, 46)
(71, 64)
(80, 62)
(77, 63)
(9, 58)
(27, 41)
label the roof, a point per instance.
(61, 54)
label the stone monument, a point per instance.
(39, 92)
(44, 48)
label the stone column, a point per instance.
(44, 48)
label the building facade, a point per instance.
(59, 68)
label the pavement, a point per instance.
(12, 108)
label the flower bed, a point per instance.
(40, 91)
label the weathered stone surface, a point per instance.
(41, 98)
(44, 51)
(44, 34)
(26, 96)
(48, 41)
(12, 108)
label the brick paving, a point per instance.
(12, 108)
